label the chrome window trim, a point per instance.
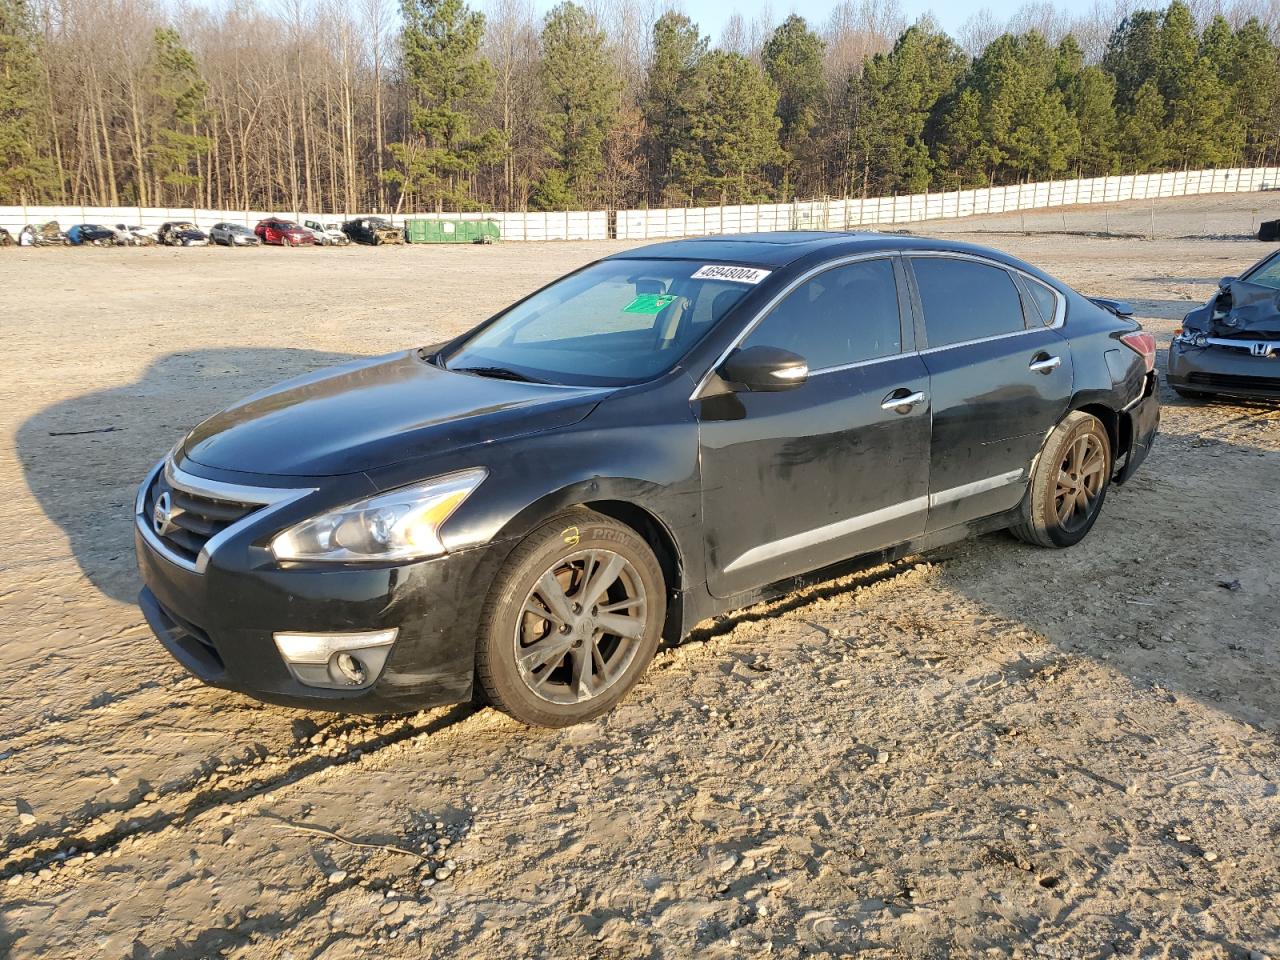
(1059, 320)
(862, 363)
(270, 499)
(896, 511)
(781, 295)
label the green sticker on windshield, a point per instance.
(649, 303)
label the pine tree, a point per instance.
(1195, 99)
(24, 174)
(1133, 56)
(962, 156)
(1025, 121)
(446, 79)
(582, 91)
(733, 137)
(900, 116)
(177, 93)
(793, 60)
(672, 93)
(1249, 67)
(1089, 95)
(1142, 145)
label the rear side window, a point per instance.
(964, 300)
(843, 315)
(1046, 301)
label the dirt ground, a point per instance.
(992, 750)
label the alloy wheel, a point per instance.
(1081, 480)
(580, 627)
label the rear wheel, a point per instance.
(572, 621)
(1069, 483)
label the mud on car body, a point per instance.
(664, 435)
(1231, 345)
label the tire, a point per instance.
(1067, 467)
(564, 652)
(1190, 394)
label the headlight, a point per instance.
(401, 525)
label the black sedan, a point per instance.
(1231, 345)
(661, 436)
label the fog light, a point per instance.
(329, 659)
(351, 668)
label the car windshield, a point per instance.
(613, 323)
(1267, 274)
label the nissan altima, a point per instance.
(524, 513)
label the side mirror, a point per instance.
(1226, 282)
(764, 369)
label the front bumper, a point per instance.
(1223, 370)
(219, 621)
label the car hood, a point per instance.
(375, 412)
(1246, 310)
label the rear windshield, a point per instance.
(1267, 274)
(613, 323)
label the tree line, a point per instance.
(346, 105)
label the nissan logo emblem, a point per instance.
(162, 515)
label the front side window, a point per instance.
(843, 315)
(965, 300)
(612, 323)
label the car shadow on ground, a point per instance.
(84, 457)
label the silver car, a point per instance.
(233, 235)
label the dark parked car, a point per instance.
(283, 233)
(91, 233)
(181, 233)
(233, 235)
(374, 231)
(664, 435)
(1231, 345)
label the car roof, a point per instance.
(783, 247)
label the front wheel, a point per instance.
(1068, 485)
(572, 621)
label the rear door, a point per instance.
(797, 480)
(1000, 379)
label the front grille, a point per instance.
(1225, 381)
(194, 518)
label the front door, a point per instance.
(999, 378)
(797, 480)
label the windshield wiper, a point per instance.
(498, 373)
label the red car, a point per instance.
(285, 233)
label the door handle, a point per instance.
(902, 400)
(1044, 364)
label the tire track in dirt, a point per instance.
(180, 807)
(228, 787)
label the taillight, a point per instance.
(1144, 345)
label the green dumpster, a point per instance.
(452, 231)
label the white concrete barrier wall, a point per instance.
(656, 224)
